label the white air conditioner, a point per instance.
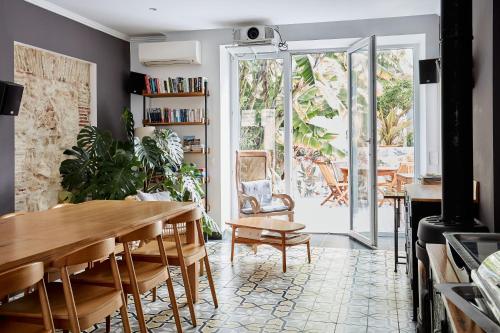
(255, 35)
(169, 53)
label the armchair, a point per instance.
(255, 195)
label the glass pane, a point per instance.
(360, 161)
(261, 112)
(395, 129)
(320, 141)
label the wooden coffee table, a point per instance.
(282, 234)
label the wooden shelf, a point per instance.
(188, 123)
(166, 95)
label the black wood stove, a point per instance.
(457, 210)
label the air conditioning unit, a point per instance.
(255, 35)
(170, 53)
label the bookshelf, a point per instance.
(204, 123)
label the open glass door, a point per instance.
(362, 141)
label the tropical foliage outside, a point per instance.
(320, 108)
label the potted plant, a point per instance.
(100, 167)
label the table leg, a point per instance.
(233, 236)
(396, 223)
(283, 250)
(194, 279)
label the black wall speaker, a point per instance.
(428, 70)
(136, 83)
(10, 98)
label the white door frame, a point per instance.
(287, 95)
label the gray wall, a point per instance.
(25, 23)
(487, 108)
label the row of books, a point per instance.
(175, 85)
(191, 144)
(168, 115)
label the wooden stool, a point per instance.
(21, 278)
(75, 306)
(137, 277)
(183, 254)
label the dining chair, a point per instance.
(137, 277)
(21, 278)
(182, 253)
(75, 306)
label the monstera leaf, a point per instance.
(117, 177)
(128, 122)
(77, 171)
(170, 143)
(148, 153)
(96, 142)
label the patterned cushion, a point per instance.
(266, 209)
(158, 196)
(259, 189)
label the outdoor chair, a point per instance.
(338, 189)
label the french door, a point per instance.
(362, 141)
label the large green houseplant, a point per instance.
(100, 167)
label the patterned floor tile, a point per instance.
(340, 291)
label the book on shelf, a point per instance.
(190, 144)
(175, 85)
(169, 115)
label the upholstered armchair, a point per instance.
(255, 187)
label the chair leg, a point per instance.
(308, 252)
(207, 264)
(254, 248)
(184, 273)
(202, 268)
(211, 281)
(135, 289)
(108, 324)
(283, 250)
(118, 286)
(327, 198)
(153, 294)
(173, 301)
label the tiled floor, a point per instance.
(342, 290)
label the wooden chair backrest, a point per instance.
(192, 215)
(251, 165)
(405, 167)
(327, 172)
(96, 251)
(6, 216)
(145, 233)
(61, 205)
(20, 278)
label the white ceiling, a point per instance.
(133, 17)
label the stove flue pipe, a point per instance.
(456, 111)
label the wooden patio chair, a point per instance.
(403, 176)
(253, 171)
(338, 190)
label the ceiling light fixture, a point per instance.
(153, 9)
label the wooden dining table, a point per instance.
(46, 235)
